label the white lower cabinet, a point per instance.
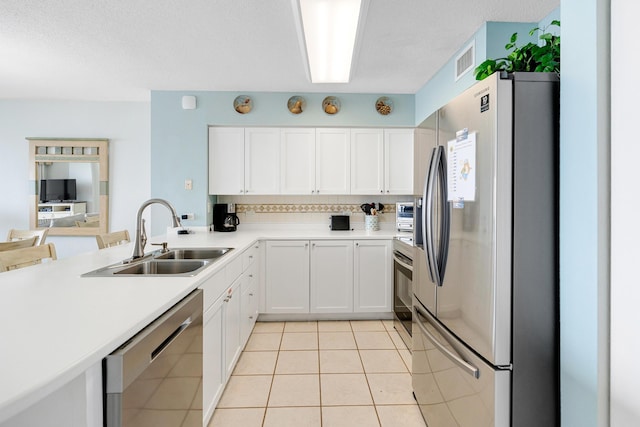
(249, 301)
(213, 371)
(230, 295)
(331, 276)
(287, 276)
(373, 276)
(232, 345)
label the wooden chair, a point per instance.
(25, 257)
(25, 234)
(18, 244)
(112, 239)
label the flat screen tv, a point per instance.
(57, 190)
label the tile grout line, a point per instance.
(319, 372)
(273, 376)
(366, 378)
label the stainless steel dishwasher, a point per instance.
(155, 378)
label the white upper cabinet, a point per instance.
(333, 155)
(262, 160)
(367, 161)
(297, 160)
(398, 161)
(305, 161)
(381, 161)
(226, 160)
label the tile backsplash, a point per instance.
(309, 209)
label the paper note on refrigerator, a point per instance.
(461, 173)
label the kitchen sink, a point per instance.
(194, 253)
(163, 267)
(175, 262)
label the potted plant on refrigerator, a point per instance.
(543, 57)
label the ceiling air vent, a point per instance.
(465, 61)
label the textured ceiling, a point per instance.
(119, 50)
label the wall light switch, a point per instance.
(188, 184)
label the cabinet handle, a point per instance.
(306, 245)
(357, 245)
(381, 191)
(251, 317)
(226, 299)
(387, 191)
(318, 191)
(251, 275)
(250, 256)
(251, 294)
(313, 191)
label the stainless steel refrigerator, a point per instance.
(485, 306)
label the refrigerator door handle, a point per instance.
(427, 216)
(445, 208)
(467, 367)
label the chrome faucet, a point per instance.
(141, 233)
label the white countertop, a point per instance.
(57, 324)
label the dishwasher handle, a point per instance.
(167, 342)
(126, 363)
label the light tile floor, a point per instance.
(321, 374)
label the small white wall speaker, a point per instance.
(189, 102)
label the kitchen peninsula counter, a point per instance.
(57, 324)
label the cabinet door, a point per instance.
(262, 160)
(287, 276)
(297, 161)
(249, 303)
(232, 347)
(214, 372)
(367, 161)
(333, 155)
(331, 277)
(373, 276)
(398, 160)
(226, 160)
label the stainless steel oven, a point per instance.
(402, 288)
(155, 378)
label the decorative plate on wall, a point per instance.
(384, 105)
(296, 104)
(331, 105)
(242, 104)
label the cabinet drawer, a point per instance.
(249, 256)
(213, 287)
(234, 269)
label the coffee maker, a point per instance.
(224, 217)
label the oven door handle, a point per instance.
(403, 263)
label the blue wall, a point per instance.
(489, 40)
(584, 205)
(179, 146)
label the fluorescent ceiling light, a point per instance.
(330, 33)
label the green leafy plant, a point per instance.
(543, 57)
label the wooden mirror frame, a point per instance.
(70, 150)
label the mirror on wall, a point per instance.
(70, 181)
